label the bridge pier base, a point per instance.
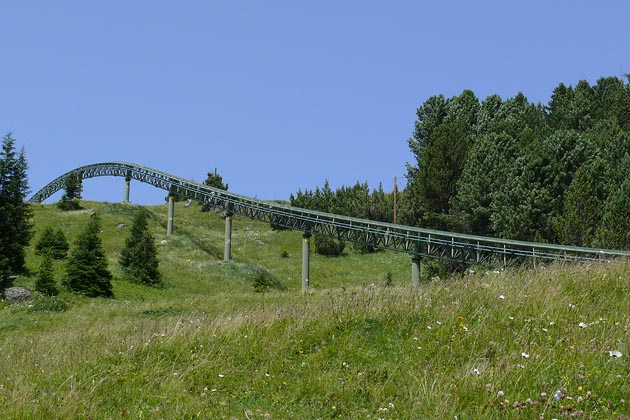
(227, 252)
(171, 212)
(416, 260)
(306, 256)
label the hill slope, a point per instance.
(521, 344)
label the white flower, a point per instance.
(221, 375)
(571, 306)
(502, 297)
(614, 353)
(476, 371)
(525, 355)
(582, 325)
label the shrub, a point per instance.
(263, 281)
(328, 246)
(44, 303)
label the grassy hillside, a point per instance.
(519, 344)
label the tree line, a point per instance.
(512, 169)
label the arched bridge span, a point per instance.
(417, 242)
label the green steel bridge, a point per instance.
(417, 242)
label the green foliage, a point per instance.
(15, 214)
(52, 242)
(514, 169)
(48, 303)
(215, 180)
(71, 198)
(264, 281)
(45, 282)
(86, 269)
(583, 204)
(614, 230)
(139, 257)
(327, 246)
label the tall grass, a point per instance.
(494, 345)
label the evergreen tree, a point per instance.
(614, 228)
(15, 214)
(139, 257)
(86, 269)
(583, 205)
(70, 200)
(45, 282)
(53, 242)
(215, 180)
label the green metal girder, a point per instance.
(412, 240)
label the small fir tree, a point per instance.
(52, 242)
(71, 198)
(45, 282)
(139, 257)
(86, 269)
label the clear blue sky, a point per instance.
(277, 95)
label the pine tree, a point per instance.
(215, 180)
(139, 257)
(72, 196)
(53, 242)
(86, 269)
(45, 282)
(15, 214)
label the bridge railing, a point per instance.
(412, 240)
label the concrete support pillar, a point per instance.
(306, 256)
(415, 270)
(227, 254)
(127, 188)
(171, 212)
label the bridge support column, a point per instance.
(227, 253)
(415, 271)
(171, 212)
(306, 257)
(127, 188)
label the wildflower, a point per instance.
(614, 353)
(476, 371)
(558, 395)
(502, 297)
(582, 325)
(580, 399)
(571, 306)
(500, 394)
(221, 375)
(525, 355)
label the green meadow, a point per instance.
(214, 343)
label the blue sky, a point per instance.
(277, 95)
